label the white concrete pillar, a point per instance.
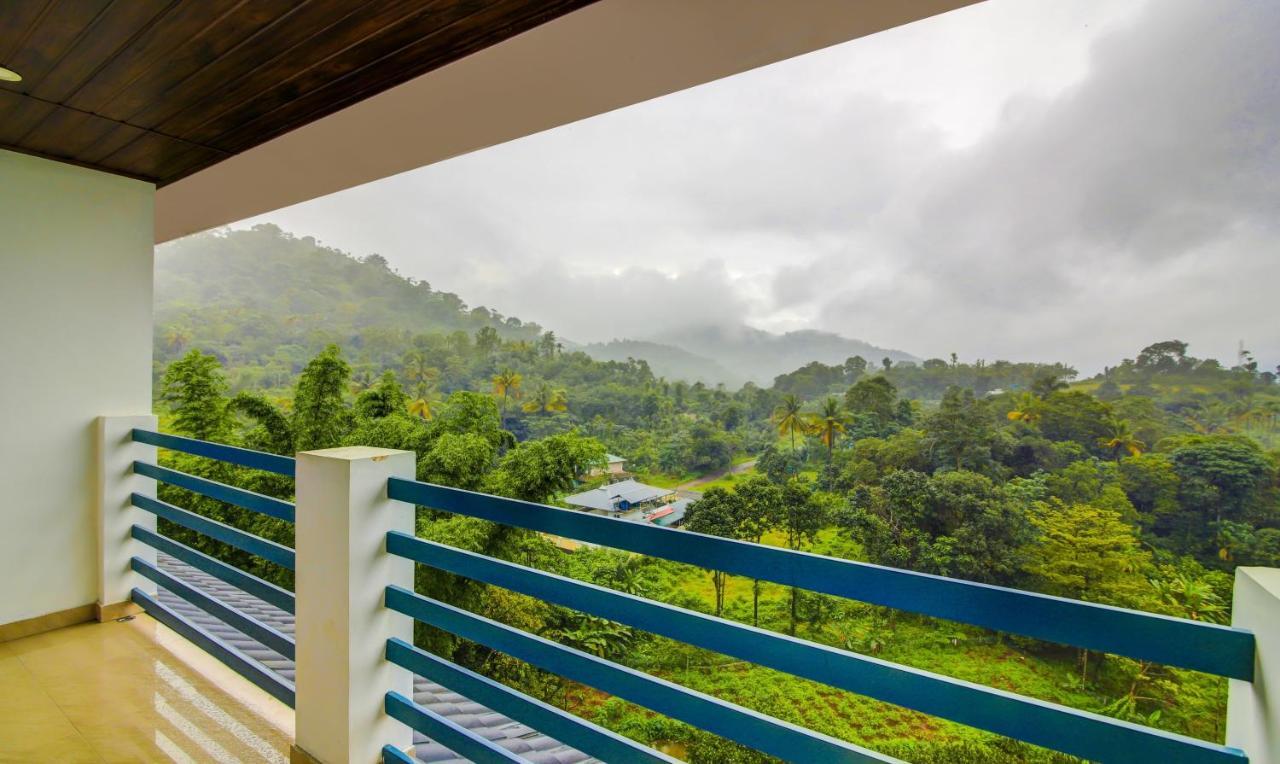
(116, 453)
(342, 626)
(1253, 708)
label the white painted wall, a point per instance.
(75, 343)
(1253, 716)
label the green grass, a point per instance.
(728, 481)
(663, 479)
(1025, 667)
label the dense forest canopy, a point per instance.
(1141, 487)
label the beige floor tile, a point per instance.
(112, 693)
(32, 727)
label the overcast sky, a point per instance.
(1022, 179)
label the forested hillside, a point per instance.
(267, 301)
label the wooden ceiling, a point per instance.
(159, 89)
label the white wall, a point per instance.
(75, 343)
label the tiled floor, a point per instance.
(131, 692)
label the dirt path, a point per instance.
(692, 485)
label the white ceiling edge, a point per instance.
(608, 55)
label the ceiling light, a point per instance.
(9, 75)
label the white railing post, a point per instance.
(116, 515)
(1253, 716)
(342, 626)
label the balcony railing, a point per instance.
(380, 494)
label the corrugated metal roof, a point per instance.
(610, 497)
(518, 738)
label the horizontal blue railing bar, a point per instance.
(273, 684)
(393, 755)
(750, 728)
(1061, 728)
(446, 732)
(258, 460)
(267, 505)
(247, 582)
(242, 540)
(250, 626)
(549, 720)
(1215, 649)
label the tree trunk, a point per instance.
(794, 601)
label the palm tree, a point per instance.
(789, 419)
(506, 384)
(547, 400)
(830, 423)
(417, 369)
(424, 403)
(1121, 440)
(1026, 409)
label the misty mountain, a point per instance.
(758, 356)
(665, 360)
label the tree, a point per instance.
(506, 385)
(381, 399)
(537, 470)
(320, 417)
(954, 524)
(487, 340)
(830, 423)
(195, 390)
(961, 430)
(423, 404)
(760, 511)
(1221, 478)
(418, 369)
(1120, 439)
(886, 362)
(789, 418)
(1047, 384)
(854, 368)
(1087, 553)
(803, 514)
(778, 464)
(717, 513)
(874, 397)
(546, 400)
(1026, 409)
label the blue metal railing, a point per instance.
(549, 720)
(258, 460)
(1215, 649)
(273, 683)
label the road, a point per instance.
(691, 487)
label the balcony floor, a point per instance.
(131, 691)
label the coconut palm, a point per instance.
(789, 419)
(418, 369)
(1121, 439)
(1026, 409)
(547, 400)
(830, 422)
(506, 385)
(424, 403)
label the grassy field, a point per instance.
(1033, 669)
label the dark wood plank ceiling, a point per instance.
(159, 89)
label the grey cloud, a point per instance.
(1138, 203)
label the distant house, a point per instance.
(632, 500)
(614, 465)
(668, 515)
(623, 496)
